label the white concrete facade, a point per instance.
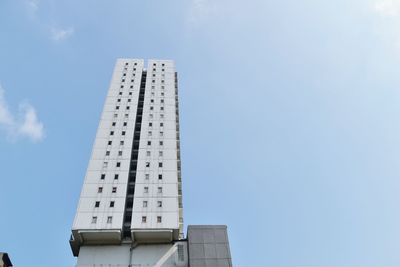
(133, 180)
(154, 255)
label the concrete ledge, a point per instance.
(94, 237)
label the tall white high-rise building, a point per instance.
(130, 208)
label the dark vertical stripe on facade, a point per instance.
(126, 229)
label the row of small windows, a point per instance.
(159, 204)
(132, 80)
(160, 153)
(153, 87)
(120, 93)
(122, 133)
(119, 100)
(146, 189)
(147, 176)
(144, 219)
(131, 87)
(150, 133)
(126, 115)
(151, 107)
(120, 142)
(154, 81)
(161, 143)
(135, 64)
(124, 124)
(109, 219)
(127, 107)
(97, 204)
(105, 164)
(161, 94)
(155, 64)
(160, 164)
(162, 74)
(100, 190)
(161, 101)
(103, 176)
(144, 204)
(161, 108)
(151, 116)
(151, 124)
(116, 176)
(119, 153)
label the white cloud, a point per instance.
(61, 34)
(26, 125)
(6, 118)
(387, 8)
(31, 126)
(56, 34)
(33, 5)
(200, 11)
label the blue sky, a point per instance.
(289, 121)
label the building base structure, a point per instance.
(205, 246)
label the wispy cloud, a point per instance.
(25, 124)
(32, 5)
(200, 11)
(58, 34)
(388, 8)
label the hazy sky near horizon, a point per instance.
(290, 121)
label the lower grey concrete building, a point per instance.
(208, 246)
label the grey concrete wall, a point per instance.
(208, 246)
